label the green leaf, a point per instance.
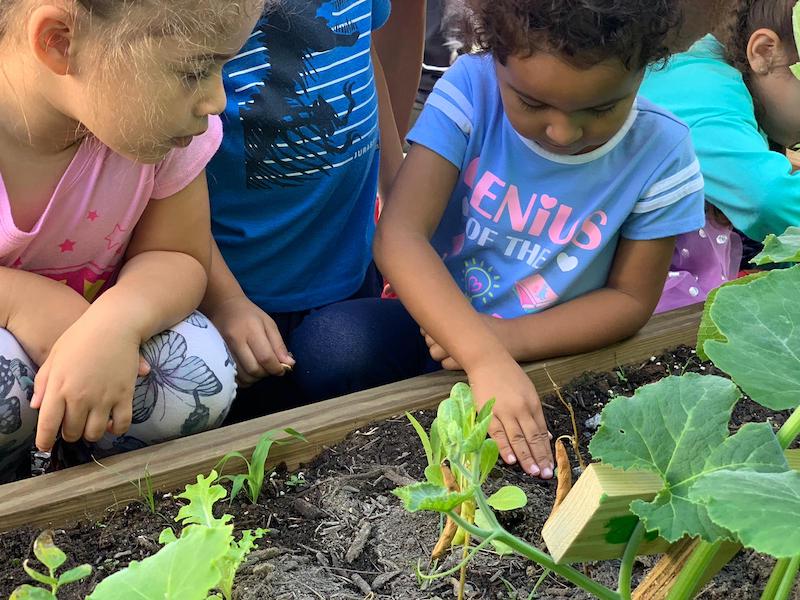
(784, 248)
(295, 434)
(257, 465)
(237, 483)
(674, 511)
(485, 410)
(73, 575)
(202, 496)
(708, 329)
(481, 521)
(437, 446)
(678, 428)
(36, 576)
(230, 563)
(761, 324)
(184, 570)
(508, 497)
(167, 536)
(47, 552)
(796, 26)
(423, 436)
(433, 474)
(28, 592)
(427, 496)
(759, 507)
(477, 435)
(461, 394)
(488, 457)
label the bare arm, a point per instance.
(599, 318)
(391, 145)
(400, 43)
(404, 254)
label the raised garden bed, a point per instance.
(321, 514)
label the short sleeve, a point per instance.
(183, 165)
(381, 9)
(446, 122)
(673, 201)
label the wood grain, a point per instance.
(87, 491)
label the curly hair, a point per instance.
(585, 32)
(752, 15)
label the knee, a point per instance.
(191, 384)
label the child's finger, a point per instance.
(538, 441)
(96, 422)
(278, 345)
(144, 367)
(264, 354)
(74, 423)
(451, 364)
(519, 445)
(246, 362)
(40, 386)
(121, 416)
(498, 434)
(51, 416)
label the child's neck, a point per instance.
(29, 122)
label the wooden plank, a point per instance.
(584, 526)
(658, 582)
(86, 491)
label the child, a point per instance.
(551, 191)
(738, 95)
(106, 125)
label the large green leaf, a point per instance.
(760, 322)
(183, 570)
(47, 552)
(763, 509)
(426, 496)
(708, 329)
(780, 248)
(678, 429)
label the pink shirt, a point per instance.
(83, 233)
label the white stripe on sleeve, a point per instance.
(672, 181)
(456, 94)
(671, 198)
(451, 111)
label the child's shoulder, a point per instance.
(659, 125)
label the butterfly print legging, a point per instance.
(189, 389)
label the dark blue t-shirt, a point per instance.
(293, 187)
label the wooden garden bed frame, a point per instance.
(88, 491)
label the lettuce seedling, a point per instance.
(203, 558)
(254, 477)
(53, 558)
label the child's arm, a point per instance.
(391, 147)
(404, 254)
(251, 335)
(86, 385)
(594, 320)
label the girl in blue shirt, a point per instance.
(536, 212)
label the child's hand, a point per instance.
(254, 340)
(441, 355)
(86, 385)
(519, 426)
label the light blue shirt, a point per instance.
(753, 186)
(526, 229)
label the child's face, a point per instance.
(564, 109)
(159, 99)
(779, 96)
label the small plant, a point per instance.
(296, 480)
(53, 558)
(147, 495)
(203, 558)
(254, 477)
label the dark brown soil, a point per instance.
(317, 514)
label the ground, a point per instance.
(339, 533)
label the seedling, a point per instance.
(295, 480)
(254, 477)
(203, 558)
(53, 558)
(146, 491)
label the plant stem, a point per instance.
(775, 579)
(531, 552)
(626, 567)
(790, 430)
(688, 580)
(788, 579)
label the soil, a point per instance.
(337, 532)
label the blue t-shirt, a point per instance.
(293, 187)
(526, 229)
